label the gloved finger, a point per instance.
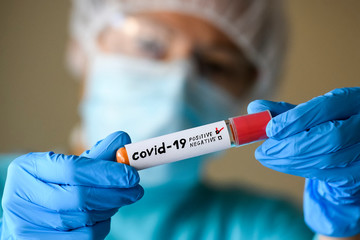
(338, 104)
(76, 171)
(78, 198)
(67, 197)
(325, 167)
(275, 108)
(106, 149)
(342, 177)
(322, 139)
(53, 219)
(96, 232)
(50, 221)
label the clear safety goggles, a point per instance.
(140, 36)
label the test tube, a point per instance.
(193, 142)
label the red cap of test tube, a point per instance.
(250, 128)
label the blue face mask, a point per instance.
(147, 99)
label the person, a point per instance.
(154, 67)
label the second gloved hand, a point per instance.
(319, 140)
(56, 196)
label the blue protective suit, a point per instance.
(201, 212)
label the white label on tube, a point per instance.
(179, 145)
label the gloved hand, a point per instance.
(319, 140)
(56, 196)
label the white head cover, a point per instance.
(256, 26)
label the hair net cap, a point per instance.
(257, 27)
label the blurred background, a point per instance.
(38, 97)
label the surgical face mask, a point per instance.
(147, 99)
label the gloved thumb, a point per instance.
(106, 149)
(275, 108)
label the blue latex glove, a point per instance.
(55, 196)
(319, 140)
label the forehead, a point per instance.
(195, 29)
